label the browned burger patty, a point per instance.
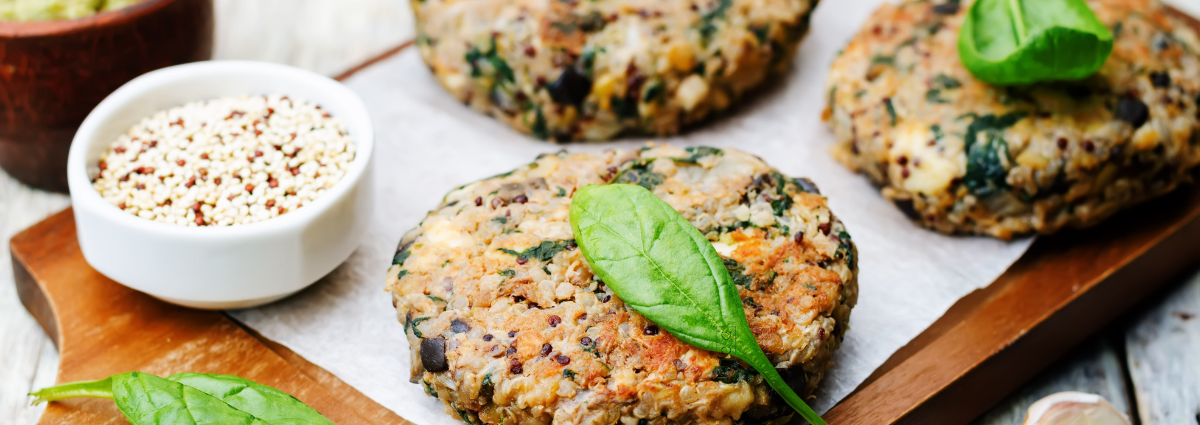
(508, 324)
(962, 156)
(591, 70)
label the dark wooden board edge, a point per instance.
(1065, 288)
(387, 54)
(34, 299)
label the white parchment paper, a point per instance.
(428, 144)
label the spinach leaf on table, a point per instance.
(663, 268)
(266, 403)
(1009, 42)
(190, 398)
(149, 400)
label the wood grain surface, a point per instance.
(1162, 357)
(258, 29)
(1065, 288)
(102, 328)
(293, 32)
(1094, 367)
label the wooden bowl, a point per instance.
(53, 73)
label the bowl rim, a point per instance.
(30, 29)
(84, 195)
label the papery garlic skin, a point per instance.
(1074, 408)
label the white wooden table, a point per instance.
(1148, 364)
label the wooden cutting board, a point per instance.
(103, 328)
(1063, 289)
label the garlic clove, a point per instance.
(1074, 408)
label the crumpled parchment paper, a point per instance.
(428, 143)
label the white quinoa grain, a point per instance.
(233, 160)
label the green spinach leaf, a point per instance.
(543, 251)
(265, 403)
(539, 129)
(190, 398)
(987, 152)
(731, 371)
(663, 268)
(737, 273)
(640, 174)
(698, 152)
(708, 26)
(483, 60)
(1010, 42)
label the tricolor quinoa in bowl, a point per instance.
(233, 199)
(226, 161)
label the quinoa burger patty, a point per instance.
(962, 156)
(508, 324)
(588, 70)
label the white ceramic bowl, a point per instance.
(230, 266)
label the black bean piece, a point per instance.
(510, 351)
(571, 87)
(433, 354)
(807, 185)
(1162, 43)
(554, 321)
(799, 238)
(515, 367)
(546, 348)
(1160, 79)
(563, 360)
(1132, 111)
(906, 206)
(512, 334)
(1078, 91)
(796, 379)
(825, 228)
(457, 326)
(488, 337)
(650, 330)
(521, 199)
(948, 8)
(585, 341)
